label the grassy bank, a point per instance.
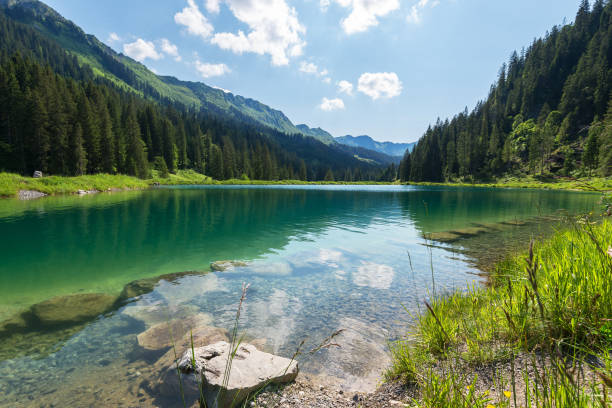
(10, 184)
(583, 184)
(539, 335)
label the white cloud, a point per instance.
(274, 30)
(213, 6)
(329, 105)
(374, 275)
(192, 18)
(415, 11)
(170, 49)
(309, 67)
(313, 69)
(380, 85)
(113, 38)
(345, 87)
(365, 13)
(324, 4)
(141, 50)
(207, 70)
(221, 89)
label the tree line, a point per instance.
(59, 118)
(550, 112)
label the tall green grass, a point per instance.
(555, 302)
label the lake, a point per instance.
(318, 259)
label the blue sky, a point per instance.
(386, 68)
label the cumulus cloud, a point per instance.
(309, 67)
(192, 18)
(365, 13)
(345, 87)
(329, 105)
(380, 85)
(141, 50)
(208, 70)
(415, 11)
(274, 30)
(213, 6)
(327, 80)
(113, 38)
(324, 4)
(170, 49)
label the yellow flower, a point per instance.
(507, 394)
(490, 406)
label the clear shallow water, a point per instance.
(321, 258)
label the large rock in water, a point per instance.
(72, 309)
(251, 370)
(222, 266)
(166, 334)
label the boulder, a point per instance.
(222, 266)
(37, 174)
(170, 333)
(251, 370)
(72, 309)
(140, 287)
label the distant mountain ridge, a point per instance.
(366, 142)
(132, 75)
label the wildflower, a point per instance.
(610, 251)
(507, 394)
(490, 406)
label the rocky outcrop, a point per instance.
(251, 370)
(37, 174)
(72, 309)
(170, 333)
(222, 266)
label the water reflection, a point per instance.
(319, 259)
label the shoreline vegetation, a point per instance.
(11, 184)
(540, 334)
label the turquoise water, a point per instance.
(320, 258)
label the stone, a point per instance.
(72, 309)
(37, 174)
(251, 370)
(140, 287)
(222, 266)
(166, 334)
(30, 194)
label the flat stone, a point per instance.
(222, 266)
(251, 370)
(166, 334)
(72, 309)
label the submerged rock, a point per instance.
(143, 286)
(72, 309)
(170, 333)
(221, 266)
(251, 370)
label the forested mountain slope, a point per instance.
(131, 75)
(59, 116)
(550, 112)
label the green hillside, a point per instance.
(550, 112)
(132, 75)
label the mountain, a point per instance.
(71, 106)
(388, 148)
(134, 76)
(317, 133)
(549, 113)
